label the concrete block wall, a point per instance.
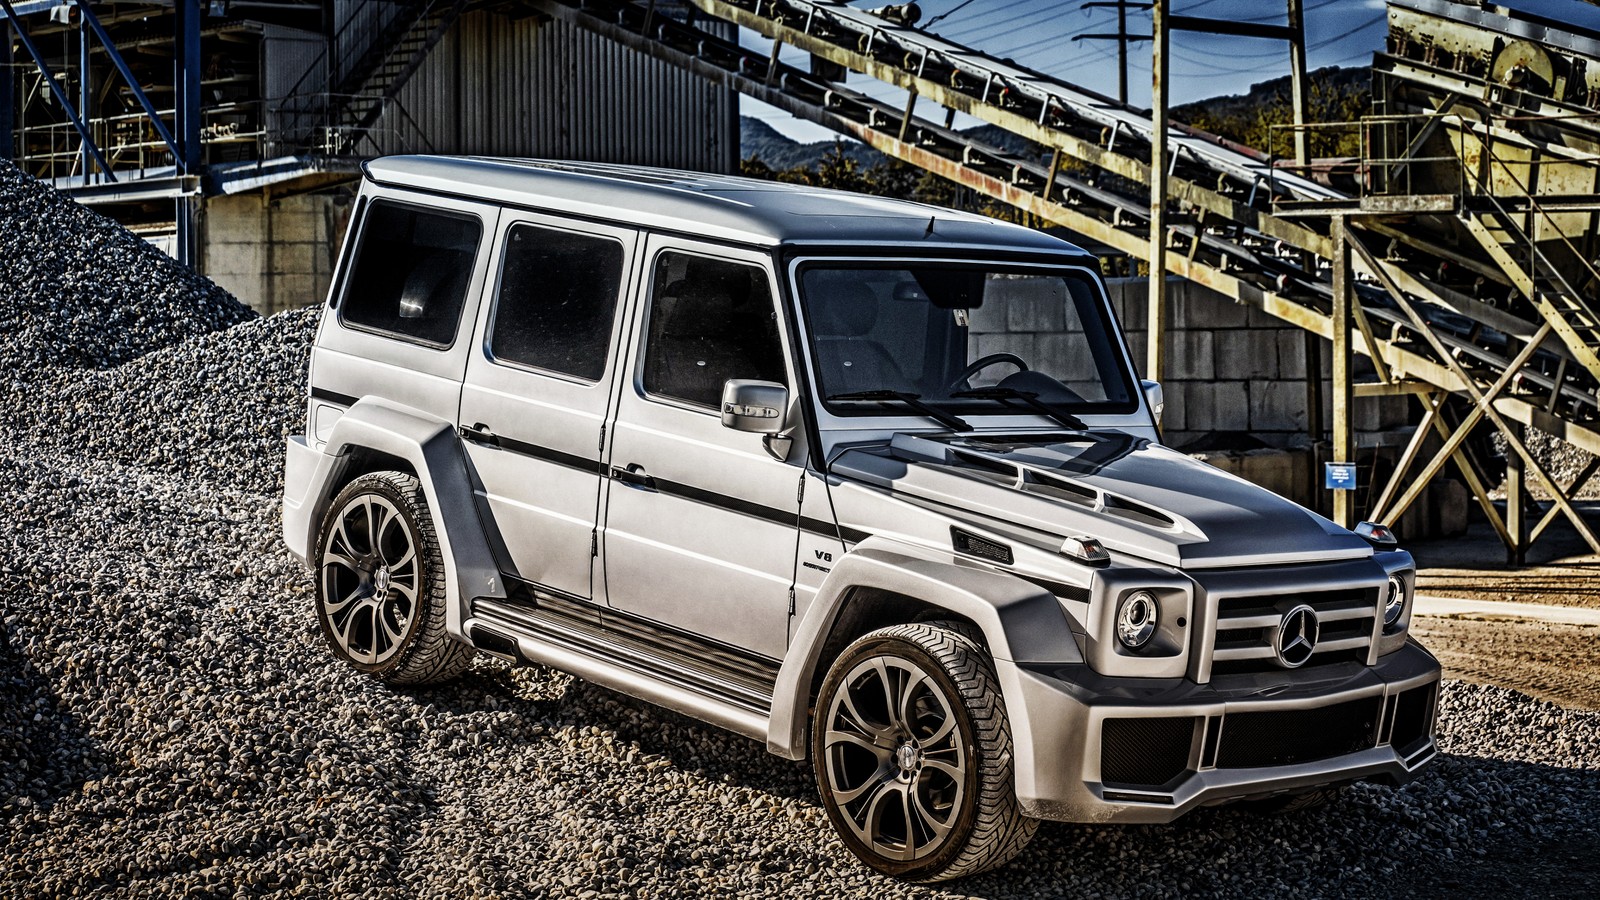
(273, 254)
(1233, 368)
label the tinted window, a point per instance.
(558, 297)
(941, 331)
(411, 272)
(710, 321)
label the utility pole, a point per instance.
(1156, 343)
(1122, 37)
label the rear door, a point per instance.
(402, 319)
(537, 389)
(701, 522)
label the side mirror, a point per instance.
(1155, 397)
(759, 407)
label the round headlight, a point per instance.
(1396, 603)
(1137, 619)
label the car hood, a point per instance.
(1135, 496)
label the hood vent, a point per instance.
(1138, 512)
(972, 545)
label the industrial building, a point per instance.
(227, 132)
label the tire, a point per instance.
(927, 796)
(381, 603)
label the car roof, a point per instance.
(723, 207)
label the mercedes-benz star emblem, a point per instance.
(1297, 636)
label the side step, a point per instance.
(717, 685)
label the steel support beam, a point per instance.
(121, 64)
(85, 92)
(187, 66)
(1230, 27)
(1156, 342)
(1516, 497)
(1484, 407)
(57, 91)
(1344, 429)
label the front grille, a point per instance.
(1251, 740)
(1413, 718)
(1246, 628)
(1145, 752)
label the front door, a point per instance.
(700, 521)
(537, 390)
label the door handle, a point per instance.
(480, 433)
(633, 476)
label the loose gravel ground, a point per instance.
(171, 723)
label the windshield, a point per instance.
(1000, 335)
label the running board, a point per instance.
(622, 662)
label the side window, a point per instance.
(557, 301)
(710, 321)
(411, 272)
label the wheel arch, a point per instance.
(377, 435)
(882, 583)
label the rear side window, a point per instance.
(411, 272)
(558, 299)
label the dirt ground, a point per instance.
(1561, 569)
(1560, 663)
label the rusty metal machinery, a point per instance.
(1351, 265)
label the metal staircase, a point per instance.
(391, 61)
(371, 56)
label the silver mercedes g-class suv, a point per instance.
(870, 481)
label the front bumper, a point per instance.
(1171, 748)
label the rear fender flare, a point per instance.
(434, 451)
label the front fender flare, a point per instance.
(1022, 622)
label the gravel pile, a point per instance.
(78, 290)
(171, 722)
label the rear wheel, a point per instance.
(380, 583)
(912, 751)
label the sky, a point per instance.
(1038, 34)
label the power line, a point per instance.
(959, 7)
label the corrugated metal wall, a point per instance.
(517, 87)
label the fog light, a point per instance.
(1137, 619)
(1397, 601)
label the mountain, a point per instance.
(758, 139)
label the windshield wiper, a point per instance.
(1028, 399)
(914, 401)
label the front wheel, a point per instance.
(912, 751)
(380, 583)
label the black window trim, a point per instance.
(347, 252)
(466, 301)
(617, 317)
(766, 264)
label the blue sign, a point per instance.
(1339, 476)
